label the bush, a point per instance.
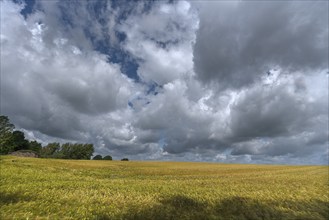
(97, 157)
(124, 159)
(108, 157)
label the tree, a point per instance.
(51, 150)
(108, 157)
(15, 140)
(77, 151)
(98, 157)
(35, 146)
(89, 150)
(124, 159)
(68, 151)
(5, 125)
(6, 129)
(19, 142)
(86, 151)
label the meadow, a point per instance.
(33, 188)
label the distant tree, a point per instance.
(51, 150)
(77, 151)
(5, 125)
(124, 159)
(66, 151)
(98, 157)
(19, 142)
(108, 157)
(6, 129)
(15, 140)
(88, 151)
(35, 146)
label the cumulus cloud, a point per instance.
(217, 81)
(162, 41)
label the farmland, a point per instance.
(80, 189)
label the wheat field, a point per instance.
(33, 188)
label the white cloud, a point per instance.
(162, 41)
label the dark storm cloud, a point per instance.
(239, 41)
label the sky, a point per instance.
(217, 81)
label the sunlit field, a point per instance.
(67, 189)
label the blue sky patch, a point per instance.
(28, 9)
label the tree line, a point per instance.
(67, 151)
(13, 140)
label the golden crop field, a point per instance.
(67, 189)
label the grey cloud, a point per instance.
(149, 136)
(95, 90)
(265, 112)
(275, 147)
(319, 137)
(119, 147)
(278, 120)
(237, 42)
(293, 146)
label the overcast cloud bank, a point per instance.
(242, 82)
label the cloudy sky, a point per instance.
(222, 81)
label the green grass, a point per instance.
(34, 188)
